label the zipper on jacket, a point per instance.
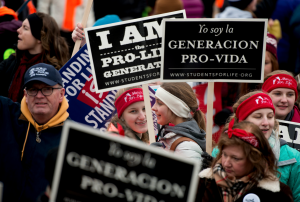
(38, 139)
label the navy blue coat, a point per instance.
(23, 180)
(288, 44)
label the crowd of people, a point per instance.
(248, 160)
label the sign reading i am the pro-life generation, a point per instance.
(127, 53)
(223, 50)
(290, 132)
(85, 104)
(93, 166)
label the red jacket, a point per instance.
(296, 117)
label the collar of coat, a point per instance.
(267, 184)
(57, 120)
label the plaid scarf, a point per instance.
(232, 189)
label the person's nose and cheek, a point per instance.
(19, 30)
(226, 162)
(265, 121)
(283, 99)
(154, 108)
(142, 115)
(39, 94)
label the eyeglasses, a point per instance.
(46, 91)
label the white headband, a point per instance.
(176, 105)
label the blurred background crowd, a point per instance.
(283, 41)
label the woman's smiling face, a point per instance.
(135, 117)
(264, 119)
(283, 100)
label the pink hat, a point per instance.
(272, 44)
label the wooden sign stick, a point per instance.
(148, 113)
(83, 22)
(209, 116)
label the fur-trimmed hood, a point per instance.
(267, 184)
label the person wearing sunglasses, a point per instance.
(29, 130)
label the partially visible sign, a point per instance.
(127, 53)
(85, 104)
(93, 166)
(290, 132)
(214, 50)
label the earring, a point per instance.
(122, 119)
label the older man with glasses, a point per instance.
(29, 130)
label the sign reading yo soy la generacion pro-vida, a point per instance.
(127, 53)
(224, 50)
(94, 166)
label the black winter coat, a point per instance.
(266, 190)
(8, 69)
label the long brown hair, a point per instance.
(55, 50)
(128, 131)
(242, 99)
(184, 92)
(262, 159)
(245, 87)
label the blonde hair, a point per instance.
(128, 131)
(242, 99)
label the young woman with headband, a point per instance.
(130, 120)
(39, 42)
(178, 112)
(244, 170)
(282, 88)
(257, 107)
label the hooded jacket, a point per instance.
(265, 190)
(190, 129)
(232, 12)
(25, 179)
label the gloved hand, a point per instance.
(206, 160)
(222, 116)
(157, 144)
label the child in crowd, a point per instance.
(130, 120)
(183, 124)
(39, 42)
(257, 107)
(282, 88)
(244, 170)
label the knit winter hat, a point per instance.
(271, 44)
(165, 6)
(107, 20)
(241, 4)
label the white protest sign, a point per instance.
(290, 132)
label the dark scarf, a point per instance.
(289, 116)
(15, 91)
